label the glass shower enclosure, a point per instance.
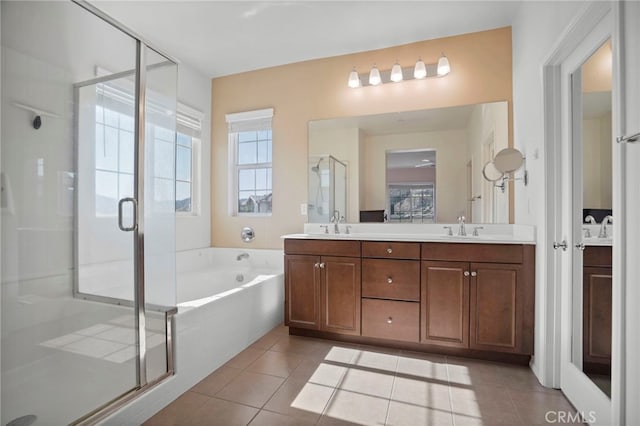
(327, 189)
(88, 213)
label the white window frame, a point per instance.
(189, 123)
(240, 122)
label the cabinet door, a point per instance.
(597, 319)
(496, 306)
(302, 291)
(340, 295)
(445, 304)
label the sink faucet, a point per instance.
(461, 230)
(590, 219)
(335, 219)
(242, 256)
(603, 226)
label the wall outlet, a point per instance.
(303, 209)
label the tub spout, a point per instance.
(242, 256)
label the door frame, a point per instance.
(557, 290)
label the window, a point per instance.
(411, 203)
(114, 151)
(189, 127)
(250, 147)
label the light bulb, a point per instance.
(420, 70)
(396, 73)
(374, 76)
(443, 66)
(354, 79)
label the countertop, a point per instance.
(488, 234)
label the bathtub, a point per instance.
(224, 305)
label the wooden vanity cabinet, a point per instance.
(484, 303)
(322, 285)
(596, 299)
(445, 303)
(391, 290)
(463, 299)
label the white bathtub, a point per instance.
(218, 317)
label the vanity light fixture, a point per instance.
(420, 70)
(443, 66)
(396, 73)
(354, 79)
(374, 76)
(399, 73)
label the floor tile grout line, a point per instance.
(453, 417)
(515, 406)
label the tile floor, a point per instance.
(289, 380)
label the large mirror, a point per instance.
(409, 167)
(592, 187)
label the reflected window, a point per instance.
(411, 203)
(411, 180)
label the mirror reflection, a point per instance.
(593, 186)
(386, 178)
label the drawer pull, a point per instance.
(389, 320)
(389, 250)
(474, 273)
(466, 273)
(389, 280)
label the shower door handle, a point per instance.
(135, 214)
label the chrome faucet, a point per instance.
(242, 256)
(335, 219)
(461, 230)
(603, 226)
(590, 219)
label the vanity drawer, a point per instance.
(493, 253)
(390, 250)
(403, 274)
(390, 319)
(322, 247)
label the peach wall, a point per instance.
(481, 71)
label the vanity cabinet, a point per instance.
(483, 303)
(597, 280)
(464, 299)
(391, 290)
(445, 303)
(322, 285)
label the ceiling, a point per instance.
(227, 37)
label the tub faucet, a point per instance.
(242, 256)
(461, 230)
(603, 226)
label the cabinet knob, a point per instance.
(466, 273)
(474, 273)
(389, 320)
(389, 250)
(316, 265)
(389, 280)
(322, 265)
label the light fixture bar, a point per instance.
(407, 73)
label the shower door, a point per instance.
(88, 234)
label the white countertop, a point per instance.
(489, 234)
